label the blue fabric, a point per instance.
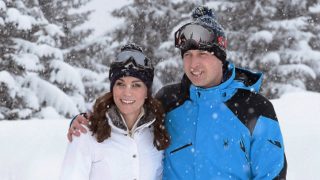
(209, 142)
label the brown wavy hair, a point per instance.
(101, 129)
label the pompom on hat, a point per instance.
(203, 33)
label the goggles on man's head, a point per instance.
(136, 58)
(198, 36)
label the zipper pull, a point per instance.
(130, 133)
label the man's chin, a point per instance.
(196, 82)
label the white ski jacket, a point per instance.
(126, 155)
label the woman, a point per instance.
(127, 133)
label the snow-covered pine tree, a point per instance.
(63, 14)
(94, 56)
(66, 14)
(275, 37)
(83, 55)
(17, 23)
(34, 76)
(313, 8)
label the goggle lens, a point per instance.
(138, 57)
(199, 36)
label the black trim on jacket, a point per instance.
(248, 78)
(248, 106)
(173, 95)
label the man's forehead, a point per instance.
(198, 51)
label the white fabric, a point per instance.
(123, 156)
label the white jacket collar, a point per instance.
(117, 122)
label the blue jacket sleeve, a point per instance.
(267, 150)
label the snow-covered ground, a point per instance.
(299, 116)
(34, 149)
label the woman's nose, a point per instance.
(127, 90)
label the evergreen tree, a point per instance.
(17, 24)
(276, 37)
(86, 56)
(34, 75)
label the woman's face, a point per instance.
(129, 94)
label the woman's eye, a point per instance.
(137, 85)
(119, 84)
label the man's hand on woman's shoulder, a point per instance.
(77, 125)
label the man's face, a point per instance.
(202, 68)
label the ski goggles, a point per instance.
(199, 36)
(137, 58)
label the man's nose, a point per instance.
(194, 61)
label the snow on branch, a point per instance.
(28, 61)
(291, 24)
(9, 81)
(50, 95)
(41, 50)
(67, 75)
(22, 22)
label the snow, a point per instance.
(63, 73)
(308, 55)
(262, 35)
(9, 81)
(315, 8)
(271, 58)
(171, 62)
(23, 22)
(2, 21)
(34, 149)
(292, 24)
(101, 20)
(49, 113)
(3, 6)
(54, 30)
(50, 95)
(287, 88)
(299, 119)
(28, 61)
(30, 98)
(297, 69)
(41, 50)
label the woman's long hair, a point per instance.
(101, 129)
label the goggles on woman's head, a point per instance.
(196, 36)
(137, 58)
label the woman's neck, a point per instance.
(131, 119)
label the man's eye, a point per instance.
(186, 54)
(204, 53)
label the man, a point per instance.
(220, 126)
